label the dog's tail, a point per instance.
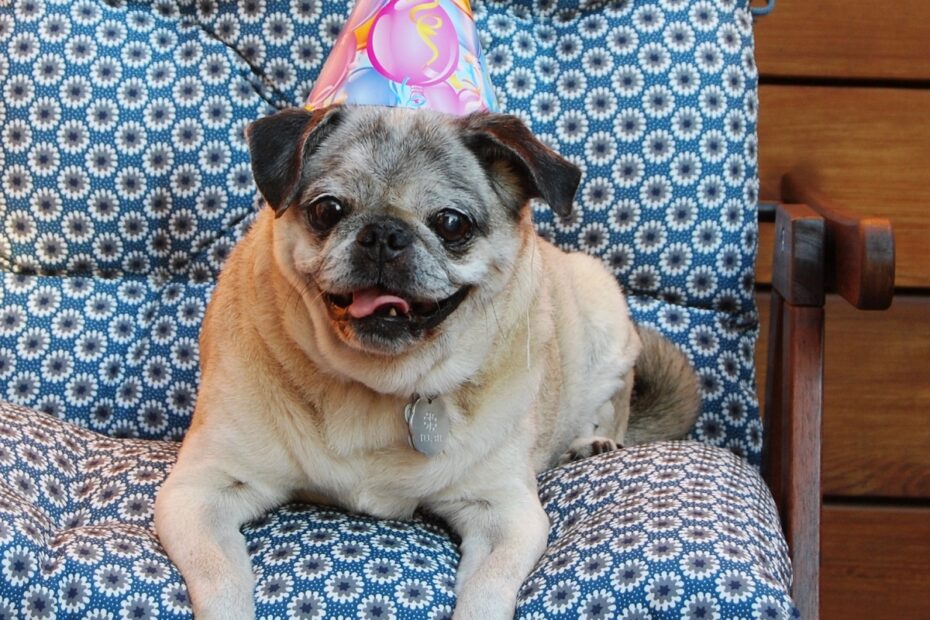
(666, 396)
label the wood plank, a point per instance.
(792, 463)
(876, 563)
(876, 397)
(868, 149)
(802, 347)
(846, 39)
(798, 272)
(765, 255)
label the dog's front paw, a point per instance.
(588, 446)
(489, 602)
(231, 602)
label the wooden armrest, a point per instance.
(818, 249)
(859, 251)
(798, 263)
(794, 391)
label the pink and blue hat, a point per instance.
(421, 54)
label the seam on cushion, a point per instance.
(45, 523)
(7, 261)
(743, 317)
(186, 19)
(105, 526)
(223, 232)
(165, 273)
(529, 9)
(191, 20)
(254, 70)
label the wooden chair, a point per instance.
(819, 249)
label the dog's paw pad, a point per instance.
(588, 446)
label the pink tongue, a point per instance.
(366, 302)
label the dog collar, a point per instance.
(427, 424)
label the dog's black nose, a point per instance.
(385, 239)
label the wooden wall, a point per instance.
(845, 102)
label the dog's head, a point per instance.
(395, 220)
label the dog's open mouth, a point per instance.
(376, 306)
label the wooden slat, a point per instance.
(868, 149)
(766, 252)
(791, 462)
(876, 398)
(876, 563)
(798, 272)
(802, 347)
(846, 39)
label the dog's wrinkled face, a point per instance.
(395, 219)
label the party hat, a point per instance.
(407, 53)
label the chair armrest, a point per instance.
(794, 392)
(798, 263)
(818, 249)
(859, 251)
(792, 434)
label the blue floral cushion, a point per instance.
(674, 530)
(656, 101)
(124, 179)
(124, 182)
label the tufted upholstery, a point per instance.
(125, 175)
(675, 526)
(124, 182)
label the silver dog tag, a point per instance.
(427, 424)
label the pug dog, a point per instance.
(392, 334)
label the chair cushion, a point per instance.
(117, 355)
(656, 101)
(124, 178)
(124, 163)
(673, 530)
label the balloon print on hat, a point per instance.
(414, 42)
(407, 53)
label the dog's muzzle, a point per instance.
(378, 311)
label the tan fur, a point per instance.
(538, 356)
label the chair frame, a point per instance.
(819, 249)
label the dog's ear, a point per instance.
(510, 152)
(279, 145)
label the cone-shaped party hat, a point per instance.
(410, 54)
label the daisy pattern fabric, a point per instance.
(674, 530)
(125, 181)
(656, 101)
(124, 177)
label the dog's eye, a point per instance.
(325, 213)
(452, 226)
